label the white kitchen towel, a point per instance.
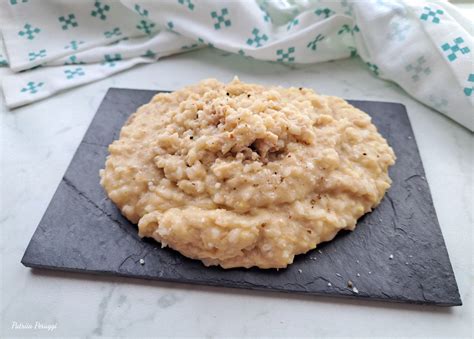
(426, 47)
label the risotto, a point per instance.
(242, 175)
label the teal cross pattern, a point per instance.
(145, 26)
(266, 17)
(285, 56)
(100, 10)
(32, 87)
(455, 48)
(187, 3)
(242, 53)
(109, 60)
(112, 33)
(32, 56)
(353, 51)
(73, 61)
(256, 38)
(347, 29)
(314, 43)
(437, 102)
(74, 45)
(3, 61)
(418, 68)
(292, 24)
(374, 68)
(398, 31)
(29, 31)
(469, 90)
(119, 41)
(72, 73)
(16, 2)
(434, 15)
(209, 44)
(140, 10)
(170, 26)
(68, 21)
(149, 54)
(221, 19)
(326, 12)
(186, 47)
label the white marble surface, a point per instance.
(38, 142)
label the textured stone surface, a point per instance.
(397, 252)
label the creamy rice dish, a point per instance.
(242, 175)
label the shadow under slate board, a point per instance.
(397, 252)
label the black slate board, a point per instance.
(83, 231)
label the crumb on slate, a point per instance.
(300, 270)
(142, 261)
(390, 256)
(349, 284)
(329, 284)
(358, 274)
(355, 290)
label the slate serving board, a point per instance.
(397, 252)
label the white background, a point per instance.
(38, 141)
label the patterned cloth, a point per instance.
(426, 47)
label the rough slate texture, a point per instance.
(83, 231)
